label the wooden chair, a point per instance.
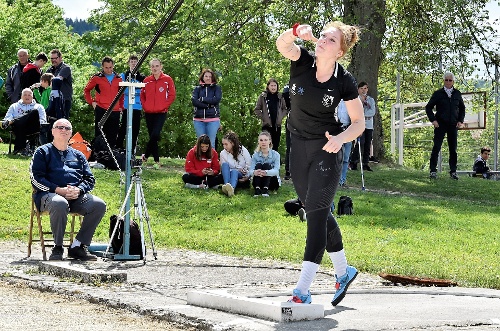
(46, 237)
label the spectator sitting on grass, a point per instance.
(202, 165)
(265, 166)
(480, 164)
(235, 164)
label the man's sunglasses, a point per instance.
(62, 127)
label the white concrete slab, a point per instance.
(71, 269)
(271, 310)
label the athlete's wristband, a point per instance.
(294, 29)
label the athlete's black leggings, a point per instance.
(316, 175)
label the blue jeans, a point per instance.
(208, 128)
(229, 175)
(345, 161)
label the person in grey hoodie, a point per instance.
(25, 118)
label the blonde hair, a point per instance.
(350, 34)
(268, 135)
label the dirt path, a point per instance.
(24, 308)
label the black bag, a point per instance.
(105, 158)
(135, 247)
(345, 206)
(101, 154)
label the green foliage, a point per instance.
(237, 40)
(403, 223)
(39, 27)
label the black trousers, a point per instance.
(271, 182)
(275, 132)
(154, 122)
(23, 127)
(365, 145)
(110, 127)
(316, 176)
(288, 144)
(122, 131)
(451, 132)
(211, 181)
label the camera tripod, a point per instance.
(140, 214)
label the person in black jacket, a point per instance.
(32, 72)
(14, 73)
(206, 109)
(449, 116)
(480, 164)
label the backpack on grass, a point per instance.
(345, 206)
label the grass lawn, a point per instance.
(403, 223)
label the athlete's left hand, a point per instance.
(333, 145)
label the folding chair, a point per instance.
(47, 236)
(32, 138)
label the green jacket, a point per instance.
(42, 98)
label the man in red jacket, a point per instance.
(106, 86)
(156, 98)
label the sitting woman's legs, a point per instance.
(192, 179)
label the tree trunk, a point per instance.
(369, 16)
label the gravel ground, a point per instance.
(24, 308)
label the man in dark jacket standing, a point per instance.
(63, 71)
(13, 82)
(449, 117)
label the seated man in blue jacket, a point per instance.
(62, 181)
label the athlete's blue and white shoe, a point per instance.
(343, 283)
(298, 297)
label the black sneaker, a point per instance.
(373, 159)
(257, 192)
(57, 253)
(81, 253)
(265, 192)
(453, 175)
(353, 166)
(366, 167)
(287, 176)
(433, 175)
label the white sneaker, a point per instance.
(226, 188)
(302, 214)
(230, 190)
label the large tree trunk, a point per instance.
(367, 55)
